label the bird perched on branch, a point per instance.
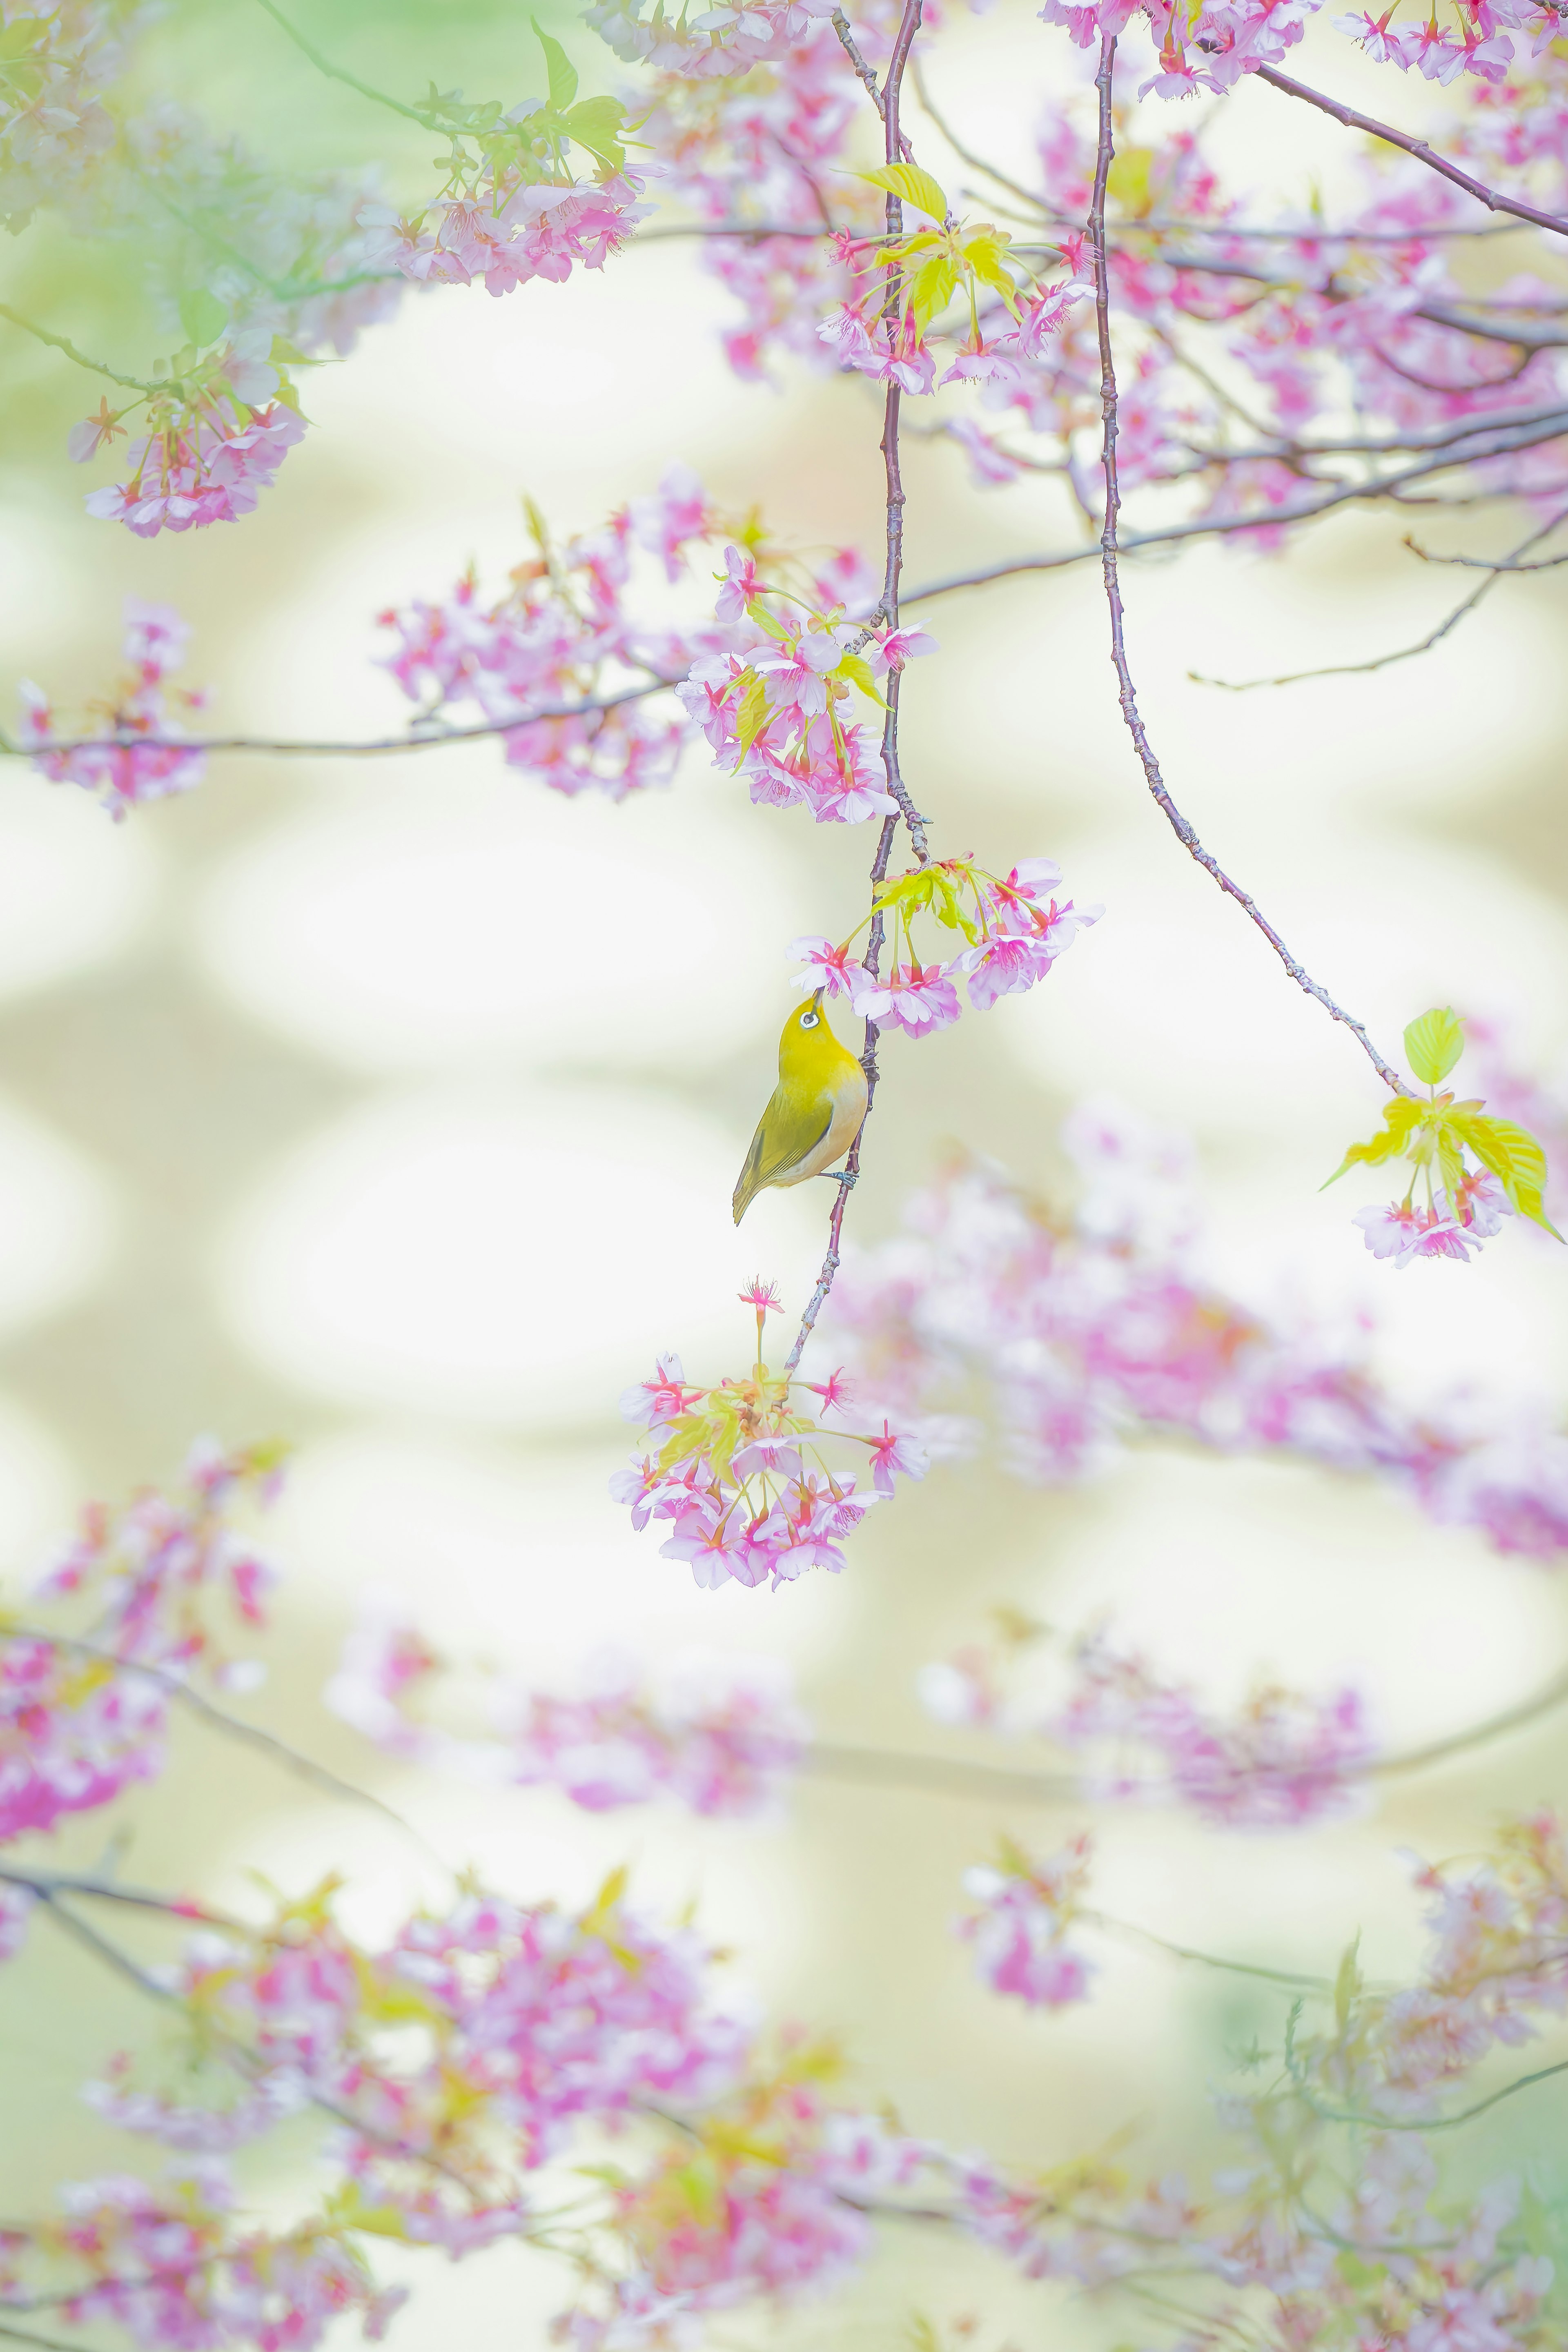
(815, 1111)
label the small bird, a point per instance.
(815, 1110)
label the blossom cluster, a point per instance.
(1013, 926)
(1283, 1758)
(772, 698)
(514, 205)
(118, 1625)
(720, 1736)
(573, 681)
(1105, 1328)
(135, 761)
(746, 1478)
(1025, 1911)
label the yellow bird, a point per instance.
(815, 1111)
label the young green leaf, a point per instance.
(1433, 1044)
(202, 317)
(752, 717)
(932, 288)
(1347, 1982)
(1514, 1156)
(597, 124)
(911, 186)
(1399, 1118)
(858, 671)
(558, 65)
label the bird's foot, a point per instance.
(837, 1176)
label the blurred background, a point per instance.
(392, 1108)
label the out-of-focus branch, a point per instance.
(336, 73)
(1184, 831)
(1424, 154)
(306, 747)
(233, 1726)
(1404, 653)
(1493, 441)
(63, 344)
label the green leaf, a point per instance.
(1514, 1156)
(1399, 1118)
(911, 186)
(932, 288)
(558, 65)
(1347, 1983)
(202, 317)
(857, 670)
(753, 715)
(1433, 1044)
(597, 123)
(21, 35)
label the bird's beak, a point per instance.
(816, 1000)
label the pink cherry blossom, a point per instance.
(116, 762)
(914, 999)
(1019, 1931)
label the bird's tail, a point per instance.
(749, 1183)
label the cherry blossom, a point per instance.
(119, 1621)
(1107, 1328)
(721, 1736)
(125, 772)
(745, 1478)
(1019, 1930)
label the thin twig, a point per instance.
(336, 73)
(1431, 2123)
(244, 2060)
(64, 343)
(1185, 833)
(894, 145)
(1406, 652)
(841, 26)
(233, 1726)
(1491, 197)
(1495, 441)
(45, 1882)
(291, 746)
(1486, 563)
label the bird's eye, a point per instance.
(810, 1020)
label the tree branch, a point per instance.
(305, 747)
(894, 144)
(336, 73)
(1406, 652)
(1493, 201)
(1185, 833)
(233, 1726)
(63, 344)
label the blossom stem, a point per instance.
(893, 146)
(1419, 148)
(1127, 695)
(336, 73)
(46, 1883)
(64, 343)
(232, 1726)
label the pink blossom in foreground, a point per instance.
(123, 771)
(723, 1736)
(78, 1726)
(1106, 1329)
(205, 466)
(1014, 928)
(754, 1488)
(1019, 1930)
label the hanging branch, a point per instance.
(1491, 197)
(895, 145)
(1127, 695)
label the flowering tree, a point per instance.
(1137, 333)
